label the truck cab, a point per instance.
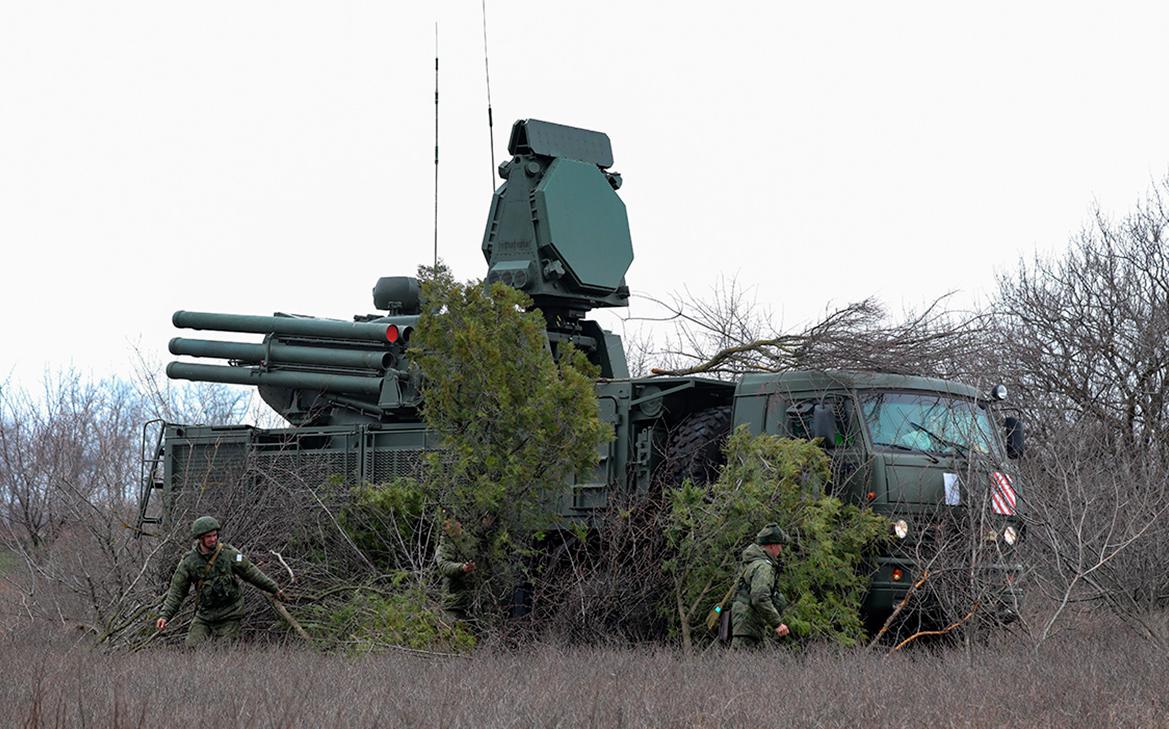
(929, 454)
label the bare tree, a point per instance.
(1087, 332)
(68, 486)
(640, 352)
(70, 471)
(1085, 339)
(72, 444)
(206, 403)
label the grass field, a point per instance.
(1104, 681)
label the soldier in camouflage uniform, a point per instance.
(454, 561)
(758, 603)
(214, 568)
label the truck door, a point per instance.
(850, 466)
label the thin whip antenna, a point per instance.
(487, 72)
(436, 144)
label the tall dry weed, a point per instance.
(1102, 680)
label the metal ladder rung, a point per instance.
(149, 468)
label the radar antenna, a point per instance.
(487, 72)
(436, 144)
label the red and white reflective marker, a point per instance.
(1002, 495)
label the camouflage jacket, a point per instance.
(217, 590)
(756, 608)
(449, 558)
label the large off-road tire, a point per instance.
(694, 449)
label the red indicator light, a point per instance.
(392, 333)
(871, 496)
(897, 574)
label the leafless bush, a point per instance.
(609, 590)
(1097, 529)
(285, 518)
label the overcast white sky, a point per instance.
(261, 156)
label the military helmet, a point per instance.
(771, 534)
(203, 525)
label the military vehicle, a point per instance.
(558, 230)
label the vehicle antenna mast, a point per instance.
(487, 72)
(436, 144)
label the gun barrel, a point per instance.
(280, 378)
(308, 327)
(274, 352)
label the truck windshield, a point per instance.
(928, 423)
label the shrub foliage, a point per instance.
(515, 423)
(772, 479)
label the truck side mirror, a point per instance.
(824, 425)
(1015, 445)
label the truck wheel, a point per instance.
(695, 449)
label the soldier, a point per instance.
(214, 568)
(758, 603)
(453, 559)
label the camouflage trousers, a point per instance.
(746, 643)
(203, 633)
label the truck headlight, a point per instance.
(901, 528)
(1011, 535)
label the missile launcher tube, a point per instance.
(256, 353)
(327, 328)
(279, 378)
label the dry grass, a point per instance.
(1101, 681)
(9, 562)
